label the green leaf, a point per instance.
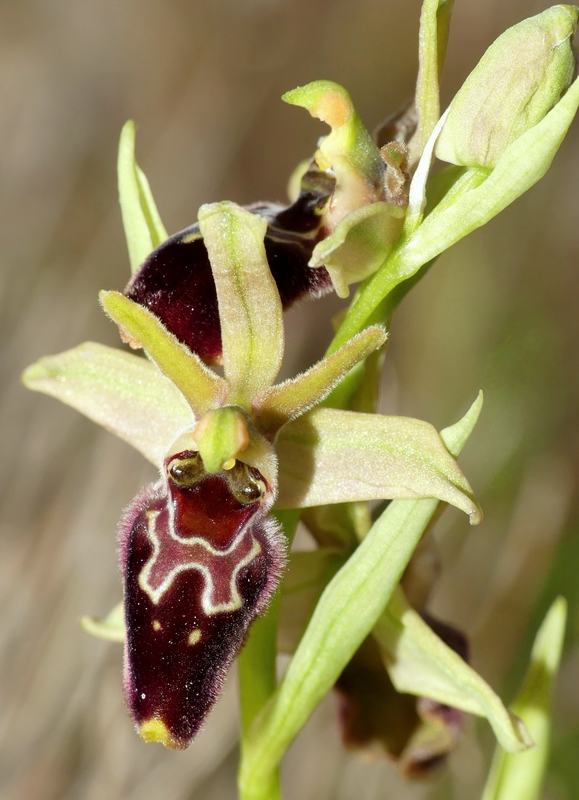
(521, 777)
(420, 663)
(143, 227)
(274, 406)
(346, 613)
(111, 627)
(332, 456)
(250, 308)
(124, 393)
(432, 40)
(359, 245)
(201, 387)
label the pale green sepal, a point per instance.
(250, 308)
(111, 627)
(348, 150)
(275, 406)
(521, 777)
(220, 436)
(346, 613)
(420, 663)
(359, 245)
(333, 456)
(519, 79)
(201, 387)
(124, 393)
(143, 227)
(432, 40)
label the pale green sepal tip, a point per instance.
(517, 82)
(346, 613)
(521, 777)
(125, 393)
(250, 309)
(141, 221)
(220, 436)
(201, 387)
(420, 663)
(111, 628)
(275, 406)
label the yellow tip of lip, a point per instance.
(154, 730)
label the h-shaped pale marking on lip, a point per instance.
(208, 605)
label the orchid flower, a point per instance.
(199, 555)
(201, 551)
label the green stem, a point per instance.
(257, 674)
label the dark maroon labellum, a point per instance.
(200, 560)
(176, 282)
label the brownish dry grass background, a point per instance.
(203, 80)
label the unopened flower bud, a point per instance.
(516, 83)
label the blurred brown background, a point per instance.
(203, 80)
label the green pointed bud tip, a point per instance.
(520, 78)
(221, 434)
(325, 100)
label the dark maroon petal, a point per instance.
(176, 282)
(200, 561)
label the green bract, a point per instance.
(516, 83)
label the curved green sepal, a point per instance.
(201, 387)
(348, 150)
(124, 393)
(143, 227)
(420, 663)
(332, 456)
(249, 304)
(275, 406)
(521, 777)
(359, 245)
(111, 627)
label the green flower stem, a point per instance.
(344, 616)
(257, 671)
